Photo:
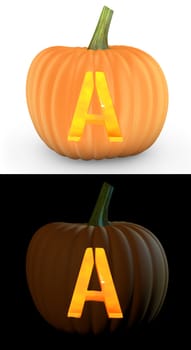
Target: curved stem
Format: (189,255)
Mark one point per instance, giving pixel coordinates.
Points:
(100,38)
(99,216)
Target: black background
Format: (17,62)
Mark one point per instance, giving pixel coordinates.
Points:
(159,202)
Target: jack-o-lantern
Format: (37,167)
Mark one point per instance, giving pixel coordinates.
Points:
(97,102)
(88,278)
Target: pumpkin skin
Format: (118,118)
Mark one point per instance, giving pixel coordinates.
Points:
(137,86)
(137,262)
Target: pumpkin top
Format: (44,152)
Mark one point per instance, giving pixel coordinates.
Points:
(100,37)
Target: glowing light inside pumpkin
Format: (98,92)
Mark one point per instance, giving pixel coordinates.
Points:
(107,294)
(81,115)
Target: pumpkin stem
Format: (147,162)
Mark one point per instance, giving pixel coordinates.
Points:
(99,216)
(99,39)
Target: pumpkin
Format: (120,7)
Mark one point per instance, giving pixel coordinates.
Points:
(130,263)
(97,102)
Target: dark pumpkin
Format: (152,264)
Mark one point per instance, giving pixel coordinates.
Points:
(136,258)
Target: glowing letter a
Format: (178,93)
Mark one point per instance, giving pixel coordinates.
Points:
(107,294)
(81,115)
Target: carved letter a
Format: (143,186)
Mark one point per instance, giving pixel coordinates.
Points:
(107,294)
(81,116)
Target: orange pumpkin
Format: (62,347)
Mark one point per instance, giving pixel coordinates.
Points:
(136,260)
(97,102)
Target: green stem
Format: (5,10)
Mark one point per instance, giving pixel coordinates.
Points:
(99,216)
(100,37)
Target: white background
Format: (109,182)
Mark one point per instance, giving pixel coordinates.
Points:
(160,27)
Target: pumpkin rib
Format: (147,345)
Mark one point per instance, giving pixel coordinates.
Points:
(107,55)
(162,76)
(46,268)
(166,274)
(163,96)
(41,91)
(37,270)
(29,268)
(129,144)
(30,78)
(57,308)
(57,260)
(59,105)
(125,51)
(154,252)
(118,149)
(127,117)
(142,91)
(46,102)
(139,251)
(166,271)
(150,242)
(32,69)
(122,260)
(161,249)
(156,124)
(41,76)
(46,66)
(31,251)
(122,68)
(149,120)
(48,276)
(33,81)
(135,86)
(60,259)
(150,279)
(116,235)
(50,236)
(165,104)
